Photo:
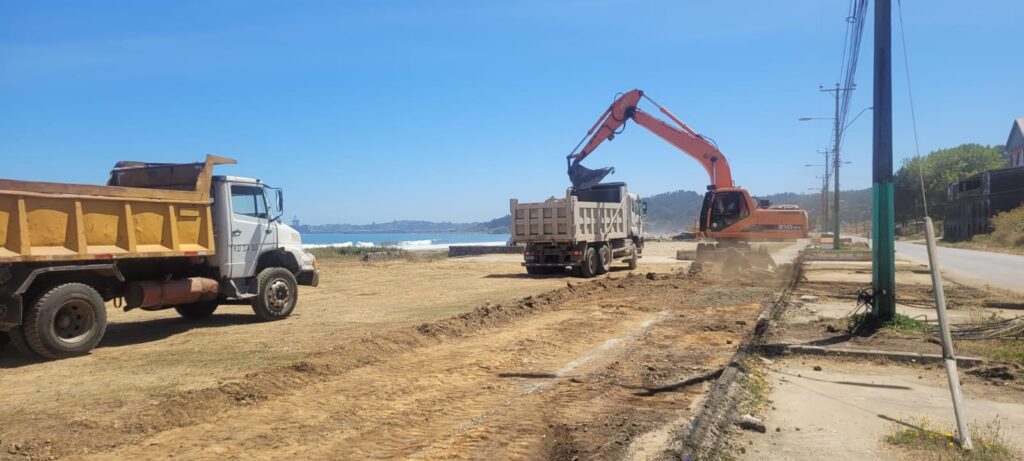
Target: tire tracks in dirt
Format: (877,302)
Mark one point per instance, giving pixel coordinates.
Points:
(556,375)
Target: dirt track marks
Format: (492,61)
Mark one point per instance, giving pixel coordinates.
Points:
(563,382)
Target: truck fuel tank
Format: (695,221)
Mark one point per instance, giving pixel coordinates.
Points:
(155,295)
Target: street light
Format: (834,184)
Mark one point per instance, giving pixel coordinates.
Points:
(837,138)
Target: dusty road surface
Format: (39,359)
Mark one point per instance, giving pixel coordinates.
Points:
(465,358)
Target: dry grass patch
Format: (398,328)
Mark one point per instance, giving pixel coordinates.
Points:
(927,440)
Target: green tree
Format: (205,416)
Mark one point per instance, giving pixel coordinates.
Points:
(939,169)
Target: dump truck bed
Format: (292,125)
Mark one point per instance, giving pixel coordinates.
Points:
(598,214)
(145,210)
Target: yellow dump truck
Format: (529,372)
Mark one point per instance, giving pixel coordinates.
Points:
(157,236)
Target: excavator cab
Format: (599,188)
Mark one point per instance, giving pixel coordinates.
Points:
(722,209)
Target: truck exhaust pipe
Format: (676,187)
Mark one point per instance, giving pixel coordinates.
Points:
(154,295)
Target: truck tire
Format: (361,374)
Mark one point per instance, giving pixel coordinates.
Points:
(68,320)
(4,339)
(633,257)
(276,293)
(589,265)
(197,311)
(604,259)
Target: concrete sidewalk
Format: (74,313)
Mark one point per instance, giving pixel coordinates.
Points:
(844,412)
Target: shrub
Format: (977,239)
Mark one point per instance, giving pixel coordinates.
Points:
(1008,228)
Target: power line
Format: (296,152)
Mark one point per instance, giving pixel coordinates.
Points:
(851,53)
(913,115)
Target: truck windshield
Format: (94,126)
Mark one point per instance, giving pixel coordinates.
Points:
(248,201)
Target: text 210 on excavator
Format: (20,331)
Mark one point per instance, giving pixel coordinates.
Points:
(729,214)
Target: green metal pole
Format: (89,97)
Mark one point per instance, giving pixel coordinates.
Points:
(883,251)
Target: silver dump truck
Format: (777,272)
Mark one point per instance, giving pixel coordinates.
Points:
(586,231)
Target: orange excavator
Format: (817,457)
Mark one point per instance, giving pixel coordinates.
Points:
(729,214)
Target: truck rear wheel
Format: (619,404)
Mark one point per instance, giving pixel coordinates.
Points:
(589,265)
(66,321)
(633,259)
(199,310)
(604,259)
(4,339)
(276,293)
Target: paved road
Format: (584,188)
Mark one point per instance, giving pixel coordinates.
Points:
(995,269)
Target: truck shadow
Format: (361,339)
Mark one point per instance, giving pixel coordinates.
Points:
(131,333)
(526,276)
(565,274)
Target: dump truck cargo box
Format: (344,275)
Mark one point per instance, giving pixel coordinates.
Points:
(145,210)
(591,215)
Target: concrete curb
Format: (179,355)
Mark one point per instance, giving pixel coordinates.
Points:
(455,251)
(784,348)
(707,432)
(838,256)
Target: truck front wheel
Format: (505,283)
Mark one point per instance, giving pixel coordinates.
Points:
(66,321)
(276,293)
(4,339)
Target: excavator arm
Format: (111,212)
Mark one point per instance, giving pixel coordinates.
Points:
(682,137)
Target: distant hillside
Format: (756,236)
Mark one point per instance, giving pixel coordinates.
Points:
(494,226)
(672,212)
(667,213)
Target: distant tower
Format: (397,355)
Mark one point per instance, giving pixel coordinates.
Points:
(295,222)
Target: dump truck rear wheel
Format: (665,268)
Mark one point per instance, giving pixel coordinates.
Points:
(604,259)
(197,310)
(589,265)
(66,321)
(276,293)
(633,259)
(4,339)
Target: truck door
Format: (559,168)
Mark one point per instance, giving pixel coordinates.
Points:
(251,231)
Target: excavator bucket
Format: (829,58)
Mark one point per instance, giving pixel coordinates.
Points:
(585,178)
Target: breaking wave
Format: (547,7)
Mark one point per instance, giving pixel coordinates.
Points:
(339,245)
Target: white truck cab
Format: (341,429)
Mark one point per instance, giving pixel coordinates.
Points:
(250,236)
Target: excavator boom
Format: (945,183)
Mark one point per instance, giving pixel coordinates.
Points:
(682,137)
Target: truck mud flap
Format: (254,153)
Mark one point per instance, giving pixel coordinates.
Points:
(308,278)
(10,311)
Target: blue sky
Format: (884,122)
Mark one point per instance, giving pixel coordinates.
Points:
(443,110)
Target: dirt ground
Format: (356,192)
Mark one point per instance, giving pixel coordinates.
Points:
(453,358)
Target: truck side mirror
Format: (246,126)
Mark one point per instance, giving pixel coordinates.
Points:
(280,201)
(643,207)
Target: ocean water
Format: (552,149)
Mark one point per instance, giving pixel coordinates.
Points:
(407,241)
